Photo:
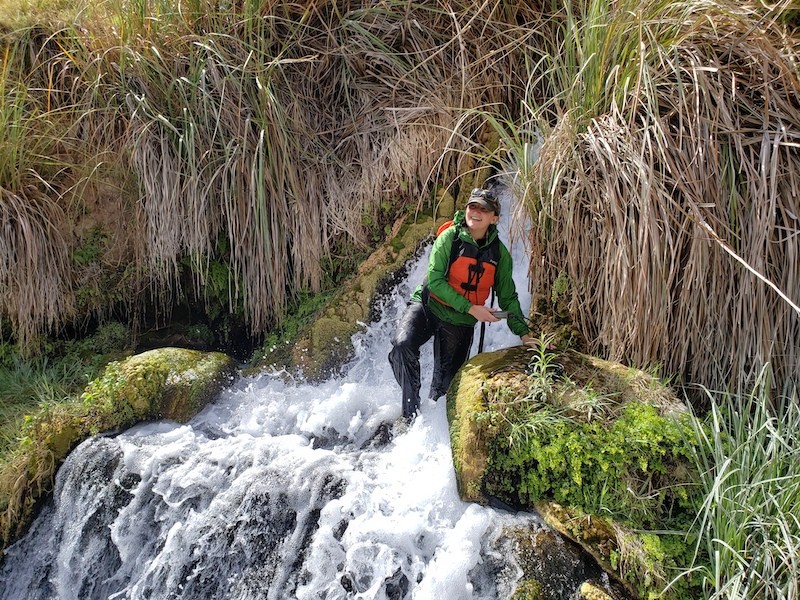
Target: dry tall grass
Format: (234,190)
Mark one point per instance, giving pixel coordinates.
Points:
(286,128)
(34,260)
(667,187)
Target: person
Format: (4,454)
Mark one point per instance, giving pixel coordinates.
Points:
(467,261)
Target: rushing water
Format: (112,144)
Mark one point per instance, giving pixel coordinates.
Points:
(277,490)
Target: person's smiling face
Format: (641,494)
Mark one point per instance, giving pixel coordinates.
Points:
(478,219)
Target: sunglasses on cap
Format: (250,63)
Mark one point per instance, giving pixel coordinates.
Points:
(485,198)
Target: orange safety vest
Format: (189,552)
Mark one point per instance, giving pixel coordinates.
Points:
(471,270)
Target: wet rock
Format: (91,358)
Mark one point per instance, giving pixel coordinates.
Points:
(593,591)
(397,585)
(535,430)
(557,566)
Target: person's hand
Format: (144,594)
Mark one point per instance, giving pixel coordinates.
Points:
(483,314)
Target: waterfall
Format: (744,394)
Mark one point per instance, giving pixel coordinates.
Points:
(278,489)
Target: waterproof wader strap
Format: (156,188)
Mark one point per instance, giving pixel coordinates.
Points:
(483,327)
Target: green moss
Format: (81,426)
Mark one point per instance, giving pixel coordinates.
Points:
(467,415)
(599,438)
(169,383)
(623,469)
(561,288)
(528,589)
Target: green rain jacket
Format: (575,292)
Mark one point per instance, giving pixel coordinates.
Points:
(458,311)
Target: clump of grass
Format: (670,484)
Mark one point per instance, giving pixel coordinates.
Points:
(654,124)
(747,528)
(26,386)
(212,110)
(57,375)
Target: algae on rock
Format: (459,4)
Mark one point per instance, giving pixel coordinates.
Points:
(538,429)
(167,383)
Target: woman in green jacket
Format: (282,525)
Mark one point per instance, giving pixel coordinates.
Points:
(467,261)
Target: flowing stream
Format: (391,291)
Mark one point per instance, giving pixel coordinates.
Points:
(276,490)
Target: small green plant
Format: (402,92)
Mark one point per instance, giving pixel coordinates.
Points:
(542,365)
(586,403)
(201,332)
(92,248)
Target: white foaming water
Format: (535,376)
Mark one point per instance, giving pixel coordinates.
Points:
(277,490)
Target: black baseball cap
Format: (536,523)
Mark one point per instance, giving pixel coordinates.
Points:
(485,198)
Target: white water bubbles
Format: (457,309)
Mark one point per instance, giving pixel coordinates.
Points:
(280,489)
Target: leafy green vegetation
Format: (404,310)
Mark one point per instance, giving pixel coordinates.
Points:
(632,462)
(58,374)
(608,443)
(280,338)
(603,111)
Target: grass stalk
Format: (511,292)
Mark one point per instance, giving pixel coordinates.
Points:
(748,458)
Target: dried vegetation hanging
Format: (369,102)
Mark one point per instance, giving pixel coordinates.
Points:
(288,130)
(672,201)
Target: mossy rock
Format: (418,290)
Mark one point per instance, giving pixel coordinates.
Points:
(592,591)
(445,204)
(596,535)
(530,426)
(326,344)
(168,383)
(528,589)
(466,402)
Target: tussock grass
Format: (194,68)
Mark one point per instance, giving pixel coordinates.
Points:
(27,386)
(288,129)
(666,184)
(33,262)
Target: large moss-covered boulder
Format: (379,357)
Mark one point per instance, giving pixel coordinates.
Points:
(168,383)
(606,448)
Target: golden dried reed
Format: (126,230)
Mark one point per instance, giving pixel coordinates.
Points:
(648,193)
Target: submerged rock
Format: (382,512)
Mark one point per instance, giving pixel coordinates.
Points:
(552,568)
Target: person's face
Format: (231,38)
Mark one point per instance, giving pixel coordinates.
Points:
(479,219)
